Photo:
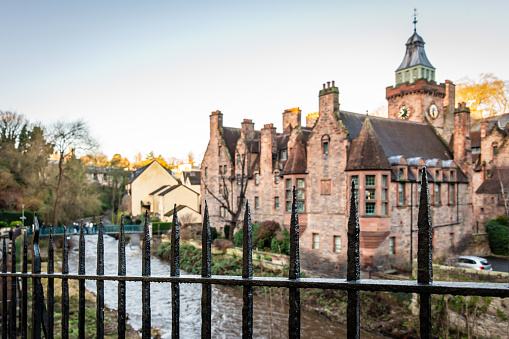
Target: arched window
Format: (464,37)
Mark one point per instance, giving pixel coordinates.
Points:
(325,144)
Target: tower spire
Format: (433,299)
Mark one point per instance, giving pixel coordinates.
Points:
(415,19)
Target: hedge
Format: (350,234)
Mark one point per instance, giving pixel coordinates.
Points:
(498,237)
(162,227)
(10,216)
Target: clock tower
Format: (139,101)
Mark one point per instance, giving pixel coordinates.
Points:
(416,96)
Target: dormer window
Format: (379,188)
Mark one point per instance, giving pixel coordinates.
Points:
(283,154)
(437,175)
(401,174)
(451,177)
(495,148)
(238,159)
(325,145)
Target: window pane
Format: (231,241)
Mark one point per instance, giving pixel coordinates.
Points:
(355,179)
(370,194)
(276,179)
(391,245)
(337,244)
(325,148)
(370,180)
(300,206)
(276,203)
(384,208)
(289,195)
(370,208)
(301,194)
(384,180)
(316,241)
(288,183)
(288,206)
(384,194)
(300,183)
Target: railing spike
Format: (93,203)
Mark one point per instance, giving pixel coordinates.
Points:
(145,285)
(206,264)
(81,283)
(51,285)
(294,293)
(353,267)
(13,315)
(247,273)
(65,289)
(425,256)
(175,272)
(121,320)
(24,287)
(5,310)
(100,283)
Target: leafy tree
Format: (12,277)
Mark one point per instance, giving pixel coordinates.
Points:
(148,159)
(67,137)
(486,97)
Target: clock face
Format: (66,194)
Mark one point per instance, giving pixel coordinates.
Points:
(404,112)
(433,111)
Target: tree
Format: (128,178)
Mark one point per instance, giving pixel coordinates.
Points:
(148,159)
(240,180)
(67,137)
(486,97)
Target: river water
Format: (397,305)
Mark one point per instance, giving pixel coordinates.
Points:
(270,318)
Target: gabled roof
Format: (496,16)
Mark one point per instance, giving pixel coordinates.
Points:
(159,189)
(493,185)
(179,208)
(398,137)
(168,190)
(297,160)
(415,54)
(139,171)
(366,153)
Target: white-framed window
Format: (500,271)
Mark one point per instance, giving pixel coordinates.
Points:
(257,178)
(316,241)
(392,245)
(337,244)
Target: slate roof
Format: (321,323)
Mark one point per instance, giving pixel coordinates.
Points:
(194,177)
(475,138)
(179,208)
(398,137)
(231,135)
(492,185)
(415,54)
(297,159)
(366,153)
(502,120)
(168,190)
(159,189)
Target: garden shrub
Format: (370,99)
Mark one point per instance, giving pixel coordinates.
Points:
(266,232)
(4,224)
(226,231)
(498,236)
(213,233)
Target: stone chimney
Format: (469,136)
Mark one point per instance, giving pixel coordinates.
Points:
(291,119)
(449,102)
(216,123)
(311,119)
(268,147)
(247,131)
(329,100)
(484,128)
(462,145)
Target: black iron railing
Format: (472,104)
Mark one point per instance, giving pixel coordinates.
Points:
(42,311)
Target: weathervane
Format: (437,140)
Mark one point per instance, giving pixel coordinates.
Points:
(415,19)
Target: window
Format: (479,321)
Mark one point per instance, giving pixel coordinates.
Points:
(257,203)
(288,183)
(420,175)
(222,212)
(451,194)
(325,144)
(482,210)
(437,194)
(488,173)
(495,147)
(283,154)
(401,194)
(370,180)
(238,179)
(384,208)
(392,248)
(384,194)
(301,194)
(219,151)
(276,177)
(206,171)
(288,206)
(225,169)
(451,239)
(384,180)
(437,175)
(220,170)
(401,174)
(325,187)
(244,159)
(220,189)
(316,241)
(337,244)
(451,177)
(288,195)
(370,194)
(238,159)
(370,208)
(276,203)
(257,178)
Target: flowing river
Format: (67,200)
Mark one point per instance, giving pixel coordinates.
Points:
(270,318)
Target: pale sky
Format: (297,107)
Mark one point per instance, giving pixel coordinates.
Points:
(146,75)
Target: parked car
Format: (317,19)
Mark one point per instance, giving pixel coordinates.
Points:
(477,263)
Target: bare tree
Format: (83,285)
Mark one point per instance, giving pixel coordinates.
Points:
(226,195)
(67,137)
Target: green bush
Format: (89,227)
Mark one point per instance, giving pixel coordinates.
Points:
(266,233)
(15,223)
(213,233)
(498,236)
(9,216)
(162,227)
(226,231)
(238,238)
(4,224)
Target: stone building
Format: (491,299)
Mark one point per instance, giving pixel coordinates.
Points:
(381,155)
